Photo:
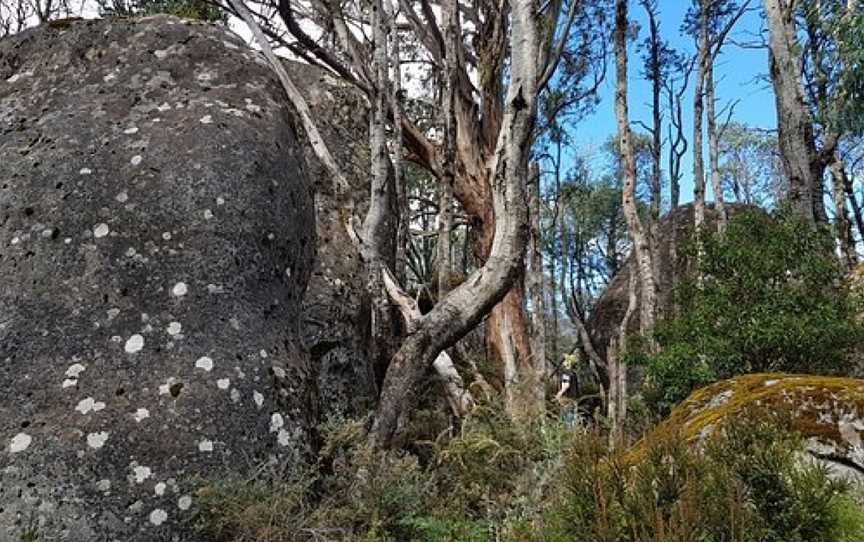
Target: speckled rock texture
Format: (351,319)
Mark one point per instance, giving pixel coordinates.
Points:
(827,411)
(335,309)
(156,237)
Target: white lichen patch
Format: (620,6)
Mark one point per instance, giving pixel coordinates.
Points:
(223,383)
(122,197)
(180,289)
(101,230)
(97,440)
(165,389)
(164,107)
(19,443)
(158,517)
(75,370)
(103,485)
(205,446)
(184,502)
(85,171)
(174,328)
(208,214)
(141,473)
(89,405)
(134,344)
(207,119)
(220,201)
(276,422)
(159,489)
(258,398)
(141,414)
(131,130)
(18,76)
(204,363)
(136,159)
(283,438)
(205,76)
(235,395)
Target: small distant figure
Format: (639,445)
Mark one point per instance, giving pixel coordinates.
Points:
(566,395)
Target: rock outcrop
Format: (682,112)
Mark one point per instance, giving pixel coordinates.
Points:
(335,309)
(607,314)
(156,238)
(827,411)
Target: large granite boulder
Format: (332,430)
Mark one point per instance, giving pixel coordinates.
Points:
(827,411)
(335,309)
(675,229)
(156,238)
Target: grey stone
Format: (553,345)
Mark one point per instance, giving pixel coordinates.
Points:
(156,238)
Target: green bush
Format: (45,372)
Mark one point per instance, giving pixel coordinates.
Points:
(771,299)
(748,484)
(494,481)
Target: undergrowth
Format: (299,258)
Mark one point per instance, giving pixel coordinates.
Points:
(495,481)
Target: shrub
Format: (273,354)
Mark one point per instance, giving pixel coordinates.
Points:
(748,484)
(771,299)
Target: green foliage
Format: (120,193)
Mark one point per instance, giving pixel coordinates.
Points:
(747,485)
(771,299)
(494,481)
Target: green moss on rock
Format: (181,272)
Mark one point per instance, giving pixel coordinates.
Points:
(827,411)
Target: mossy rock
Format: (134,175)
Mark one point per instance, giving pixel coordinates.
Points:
(827,411)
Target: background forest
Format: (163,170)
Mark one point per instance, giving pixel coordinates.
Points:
(572,214)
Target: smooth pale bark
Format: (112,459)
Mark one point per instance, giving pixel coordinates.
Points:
(465,306)
(842,226)
(404,211)
(714,149)
(449,15)
(459,398)
(698,108)
(638,237)
(655,75)
(536,287)
(379,228)
(795,127)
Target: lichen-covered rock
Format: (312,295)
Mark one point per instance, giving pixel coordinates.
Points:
(827,411)
(156,237)
(335,309)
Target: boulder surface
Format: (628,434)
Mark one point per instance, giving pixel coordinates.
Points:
(156,237)
(827,411)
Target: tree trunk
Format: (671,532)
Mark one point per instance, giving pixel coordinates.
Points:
(698,160)
(853,201)
(842,226)
(641,247)
(536,287)
(714,149)
(378,248)
(465,306)
(795,127)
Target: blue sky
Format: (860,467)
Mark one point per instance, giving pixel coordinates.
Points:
(738,75)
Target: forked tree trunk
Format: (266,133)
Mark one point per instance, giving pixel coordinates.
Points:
(463,308)
(638,237)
